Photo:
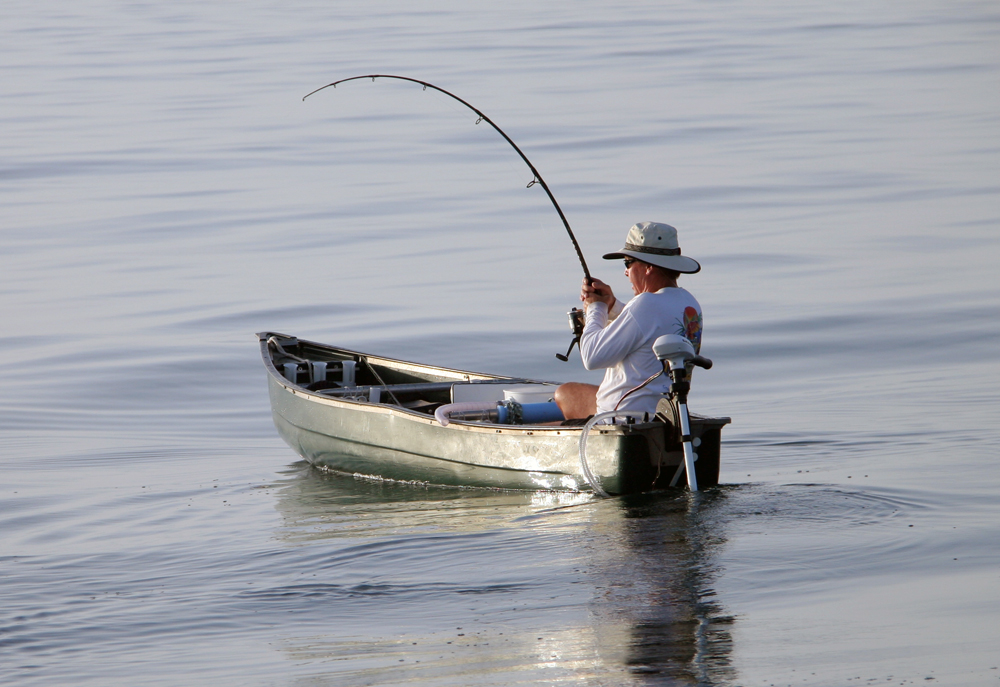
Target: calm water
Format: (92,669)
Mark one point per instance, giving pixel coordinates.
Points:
(165,193)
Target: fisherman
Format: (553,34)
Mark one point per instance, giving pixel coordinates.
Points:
(619,336)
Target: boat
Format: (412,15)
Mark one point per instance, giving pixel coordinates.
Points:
(386,419)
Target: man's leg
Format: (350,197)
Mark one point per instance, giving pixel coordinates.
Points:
(577,400)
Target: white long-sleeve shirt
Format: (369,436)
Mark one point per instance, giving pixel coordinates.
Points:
(622,342)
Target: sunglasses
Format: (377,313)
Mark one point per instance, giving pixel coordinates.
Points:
(630,261)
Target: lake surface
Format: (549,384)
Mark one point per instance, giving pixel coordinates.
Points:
(165,193)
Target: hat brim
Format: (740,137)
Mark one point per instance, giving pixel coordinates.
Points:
(677,263)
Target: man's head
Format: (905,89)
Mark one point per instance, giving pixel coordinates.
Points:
(655,244)
(645,277)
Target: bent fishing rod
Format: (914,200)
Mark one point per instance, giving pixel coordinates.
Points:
(482,118)
(575,315)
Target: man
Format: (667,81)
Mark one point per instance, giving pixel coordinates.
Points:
(620,336)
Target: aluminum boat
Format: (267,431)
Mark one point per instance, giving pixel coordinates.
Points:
(382,418)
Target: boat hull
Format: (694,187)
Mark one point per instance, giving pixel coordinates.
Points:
(386,441)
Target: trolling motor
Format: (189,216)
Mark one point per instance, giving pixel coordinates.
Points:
(577,318)
(676,352)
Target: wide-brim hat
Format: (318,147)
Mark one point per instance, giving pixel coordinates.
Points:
(656,244)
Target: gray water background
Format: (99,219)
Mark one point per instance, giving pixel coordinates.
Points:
(165,193)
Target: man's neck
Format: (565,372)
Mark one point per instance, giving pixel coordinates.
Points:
(665,283)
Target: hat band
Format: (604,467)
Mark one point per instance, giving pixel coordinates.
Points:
(655,251)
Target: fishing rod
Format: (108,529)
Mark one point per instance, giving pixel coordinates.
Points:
(483,118)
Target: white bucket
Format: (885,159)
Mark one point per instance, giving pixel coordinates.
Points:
(530,393)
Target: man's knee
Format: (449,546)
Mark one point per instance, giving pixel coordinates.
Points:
(562,393)
(576,400)
(567,393)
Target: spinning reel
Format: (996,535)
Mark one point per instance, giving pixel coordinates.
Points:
(577,318)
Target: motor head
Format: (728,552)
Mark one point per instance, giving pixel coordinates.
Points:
(676,351)
(673,350)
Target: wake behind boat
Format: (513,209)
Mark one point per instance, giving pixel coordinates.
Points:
(377,417)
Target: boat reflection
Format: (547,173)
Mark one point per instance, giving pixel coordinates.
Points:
(656,582)
(317,504)
(529,588)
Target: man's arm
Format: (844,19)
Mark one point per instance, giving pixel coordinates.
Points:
(604,345)
(615,310)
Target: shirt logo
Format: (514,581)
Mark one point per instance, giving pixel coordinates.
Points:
(690,328)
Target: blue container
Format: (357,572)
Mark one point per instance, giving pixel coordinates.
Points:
(514,413)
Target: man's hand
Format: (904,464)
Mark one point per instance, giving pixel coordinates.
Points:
(596,291)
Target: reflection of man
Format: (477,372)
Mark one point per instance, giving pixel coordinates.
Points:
(620,337)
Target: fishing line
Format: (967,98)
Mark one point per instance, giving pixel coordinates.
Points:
(483,118)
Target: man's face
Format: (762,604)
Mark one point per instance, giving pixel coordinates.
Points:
(636,271)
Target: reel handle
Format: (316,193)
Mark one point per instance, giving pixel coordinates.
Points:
(569,350)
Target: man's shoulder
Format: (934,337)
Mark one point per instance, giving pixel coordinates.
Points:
(674,297)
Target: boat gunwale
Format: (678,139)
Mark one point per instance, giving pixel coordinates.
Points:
(460,425)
